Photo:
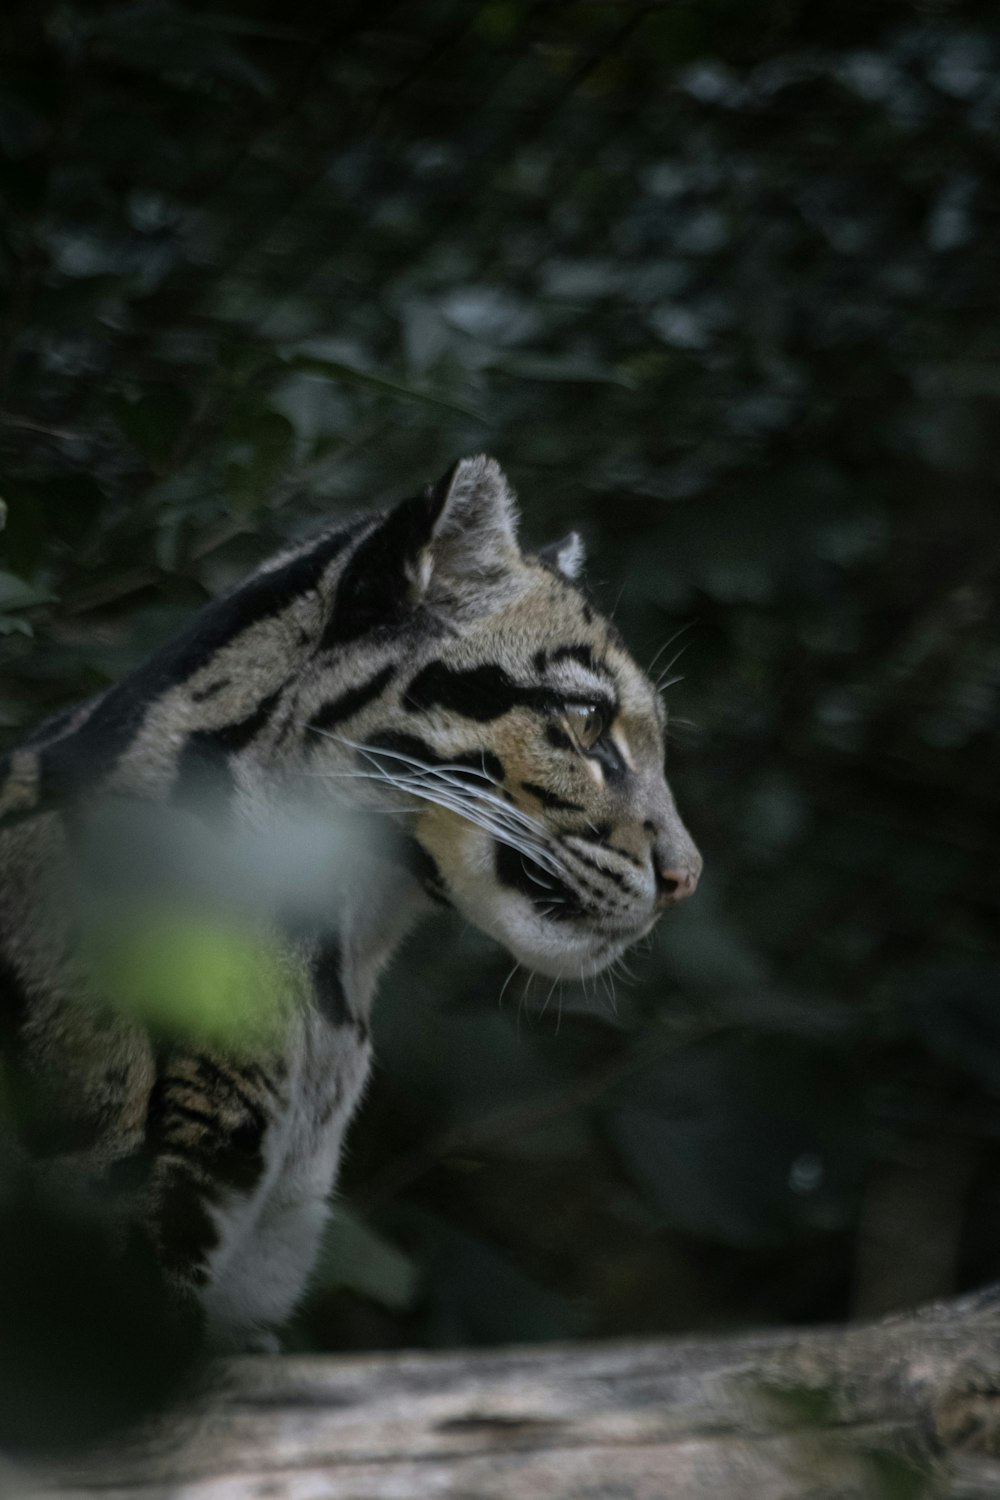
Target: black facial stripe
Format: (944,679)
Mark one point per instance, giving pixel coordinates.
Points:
(558,901)
(549,799)
(609,758)
(487,692)
(600,833)
(481,761)
(558,738)
(583,654)
(351,701)
(482,693)
(599,893)
(593,864)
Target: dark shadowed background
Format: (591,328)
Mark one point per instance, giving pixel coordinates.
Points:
(719,283)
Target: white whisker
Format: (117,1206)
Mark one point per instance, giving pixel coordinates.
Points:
(438,784)
(503,989)
(661,682)
(453,775)
(466,808)
(668,642)
(548,997)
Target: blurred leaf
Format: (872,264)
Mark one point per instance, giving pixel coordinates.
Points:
(334,369)
(747,1142)
(154,420)
(11,625)
(471,1068)
(356,1257)
(722,292)
(16,593)
(564,369)
(476,1294)
(191,977)
(79,1322)
(705,950)
(955,1010)
(262,443)
(167,41)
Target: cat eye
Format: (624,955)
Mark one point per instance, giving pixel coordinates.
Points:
(587,723)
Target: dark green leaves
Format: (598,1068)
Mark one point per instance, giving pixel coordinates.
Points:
(716,283)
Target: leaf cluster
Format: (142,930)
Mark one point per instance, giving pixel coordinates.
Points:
(716,283)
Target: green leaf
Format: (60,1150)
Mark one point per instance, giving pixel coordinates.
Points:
(154,420)
(744,1141)
(337,369)
(191,977)
(475,1293)
(564,369)
(953,1010)
(263,443)
(356,1257)
(11,625)
(16,593)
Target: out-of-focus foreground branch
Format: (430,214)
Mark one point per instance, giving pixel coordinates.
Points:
(904,1408)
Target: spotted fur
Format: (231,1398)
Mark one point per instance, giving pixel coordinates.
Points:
(416,678)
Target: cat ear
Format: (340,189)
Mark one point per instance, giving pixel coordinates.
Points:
(471,548)
(454,546)
(566,557)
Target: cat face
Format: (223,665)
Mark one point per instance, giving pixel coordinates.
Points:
(515,733)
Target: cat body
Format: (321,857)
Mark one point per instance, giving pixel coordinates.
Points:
(407,712)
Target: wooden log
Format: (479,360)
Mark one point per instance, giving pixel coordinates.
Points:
(891,1411)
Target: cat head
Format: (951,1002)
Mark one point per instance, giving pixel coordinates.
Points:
(498,714)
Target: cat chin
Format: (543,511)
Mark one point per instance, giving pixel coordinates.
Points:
(556,950)
(579,963)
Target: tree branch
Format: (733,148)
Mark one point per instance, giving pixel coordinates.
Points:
(906,1407)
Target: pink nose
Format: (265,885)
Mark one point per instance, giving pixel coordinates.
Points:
(675,884)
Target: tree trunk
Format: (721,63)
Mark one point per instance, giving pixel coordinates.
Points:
(893,1411)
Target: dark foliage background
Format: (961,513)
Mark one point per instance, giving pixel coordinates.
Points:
(717,281)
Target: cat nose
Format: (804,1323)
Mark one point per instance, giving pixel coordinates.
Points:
(674,883)
(676,862)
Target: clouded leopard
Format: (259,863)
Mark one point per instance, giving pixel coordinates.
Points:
(451,700)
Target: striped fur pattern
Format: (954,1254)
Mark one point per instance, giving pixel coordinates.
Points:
(495,749)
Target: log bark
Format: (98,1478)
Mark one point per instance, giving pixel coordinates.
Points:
(891,1411)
